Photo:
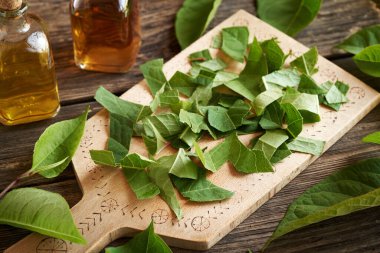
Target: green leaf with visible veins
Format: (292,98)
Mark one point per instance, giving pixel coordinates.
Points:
(281,153)
(200,190)
(183,83)
(121,131)
(306,145)
(193,120)
(57,146)
(368,60)
(152,138)
(274,55)
(116,105)
(372,138)
(366,37)
(103,157)
(264,99)
(167,124)
(153,74)
(281,79)
(146,241)
(136,162)
(352,189)
(40,211)
(272,117)
(289,16)
(293,119)
(308,85)
(193,19)
(271,141)
(307,62)
(235,42)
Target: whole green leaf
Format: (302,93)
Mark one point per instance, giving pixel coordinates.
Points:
(289,16)
(308,85)
(153,74)
(193,19)
(352,189)
(274,55)
(116,105)
(281,79)
(200,190)
(372,138)
(306,145)
(264,99)
(40,211)
(293,119)
(183,83)
(272,117)
(364,38)
(235,42)
(146,241)
(368,60)
(195,121)
(159,173)
(307,62)
(57,143)
(121,131)
(270,142)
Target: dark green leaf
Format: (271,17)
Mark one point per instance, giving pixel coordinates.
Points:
(293,119)
(193,19)
(200,190)
(364,38)
(368,60)
(272,117)
(274,55)
(121,131)
(281,153)
(40,211)
(264,99)
(308,85)
(270,142)
(349,190)
(146,241)
(57,145)
(289,16)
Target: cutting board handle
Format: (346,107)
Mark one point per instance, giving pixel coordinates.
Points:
(98,228)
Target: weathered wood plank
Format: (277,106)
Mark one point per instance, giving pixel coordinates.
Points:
(336,20)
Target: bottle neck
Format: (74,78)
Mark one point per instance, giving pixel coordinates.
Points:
(14,13)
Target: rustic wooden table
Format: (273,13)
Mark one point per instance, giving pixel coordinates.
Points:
(358,232)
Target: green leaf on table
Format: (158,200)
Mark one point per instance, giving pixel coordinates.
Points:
(153,74)
(229,119)
(57,145)
(193,19)
(152,137)
(146,241)
(264,99)
(289,16)
(238,86)
(121,131)
(306,145)
(307,62)
(372,138)
(141,184)
(281,79)
(116,105)
(366,37)
(189,137)
(159,174)
(293,119)
(274,54)
(202,95)
(215,158)
(306,104)
(40,211)
(136,162)
(183,83)
(368,60)
(281,153)
(352,189)
(167,124)
(308,85)
(272,117)
(195,121)
(103,157)
(336,94)
(168,99)
(270,142)
(235,42)
(204,77)
(200,56)
(213,65)
(223,77)
(200,190)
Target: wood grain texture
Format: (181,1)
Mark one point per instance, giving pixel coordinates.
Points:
(336,20)
(358,232)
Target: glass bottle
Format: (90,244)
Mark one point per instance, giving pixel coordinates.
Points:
(28,85)
(106,34)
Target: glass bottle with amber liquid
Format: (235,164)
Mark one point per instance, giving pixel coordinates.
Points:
(28,85)
(106,34)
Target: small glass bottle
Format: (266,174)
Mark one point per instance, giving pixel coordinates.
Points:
(28,85)
(106,34)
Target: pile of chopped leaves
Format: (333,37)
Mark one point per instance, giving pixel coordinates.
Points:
(268,97)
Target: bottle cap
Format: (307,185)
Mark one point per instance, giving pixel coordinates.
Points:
(10,5)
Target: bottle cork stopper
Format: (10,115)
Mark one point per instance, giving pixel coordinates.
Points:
(10,5)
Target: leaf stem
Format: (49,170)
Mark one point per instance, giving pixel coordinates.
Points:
(15,182)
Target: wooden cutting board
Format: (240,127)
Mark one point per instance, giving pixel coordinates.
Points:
(109,209)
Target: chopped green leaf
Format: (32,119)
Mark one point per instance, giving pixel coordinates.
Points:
(264,99)
(308,85)
(293,119)
(306,145)
(307,62)
(274,55)
(235,42)
(153,74)
(272,117)
(281,79)
(270,142)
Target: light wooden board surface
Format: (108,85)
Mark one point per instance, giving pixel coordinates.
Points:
(109,209)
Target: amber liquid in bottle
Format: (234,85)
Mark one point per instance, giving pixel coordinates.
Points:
(28,86)
(106,34)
